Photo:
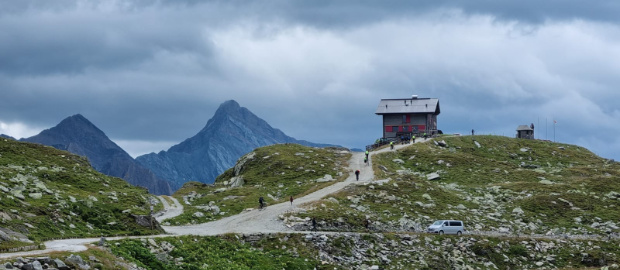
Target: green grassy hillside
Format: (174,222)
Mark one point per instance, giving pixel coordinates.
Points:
(506,185)
(274,172)
(48,193)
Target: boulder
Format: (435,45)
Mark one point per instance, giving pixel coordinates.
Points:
(236,181)
(518,211)
(17,194)
(398,160)
(75,259)
(60,265)
(36,195)
(433,176)
(325,178)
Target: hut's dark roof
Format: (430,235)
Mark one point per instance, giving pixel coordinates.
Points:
(408,105)
(523,127)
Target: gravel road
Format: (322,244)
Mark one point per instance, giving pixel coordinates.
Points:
(254,221)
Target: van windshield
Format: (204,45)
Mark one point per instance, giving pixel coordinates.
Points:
(438,222)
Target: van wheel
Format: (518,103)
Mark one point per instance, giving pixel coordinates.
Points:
(440,232)
(459,233)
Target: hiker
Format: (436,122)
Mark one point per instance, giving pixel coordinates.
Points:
(291,200)
(366,223)
(413,138)
(261,202)
(313,224)
(392,145)
(357,175)
(366,161)
(367,153)
(425,137)
(472,132)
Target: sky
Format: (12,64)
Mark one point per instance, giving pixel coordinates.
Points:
(152,73)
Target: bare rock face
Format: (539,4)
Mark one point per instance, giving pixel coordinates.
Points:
(236,181)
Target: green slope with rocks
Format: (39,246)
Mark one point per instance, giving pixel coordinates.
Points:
(51,194)
(273,172)
(494,184)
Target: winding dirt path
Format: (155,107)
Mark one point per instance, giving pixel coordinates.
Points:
(255,221)
(170,211)
(267,220)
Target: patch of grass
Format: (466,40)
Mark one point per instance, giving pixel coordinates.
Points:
(226,252)
(48,193)
(281,171)
(558,187)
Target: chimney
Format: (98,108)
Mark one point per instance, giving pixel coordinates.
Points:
(414,96)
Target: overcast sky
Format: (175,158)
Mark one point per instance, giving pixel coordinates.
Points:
(152,73)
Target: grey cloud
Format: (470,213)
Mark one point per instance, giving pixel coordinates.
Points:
(351,13)
(76,39)
(155,71)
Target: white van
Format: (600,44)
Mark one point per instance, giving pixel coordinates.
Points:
(447,227)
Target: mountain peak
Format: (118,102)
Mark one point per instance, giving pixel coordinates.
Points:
(78,122)
(228,107)
(78,135)
(231,133)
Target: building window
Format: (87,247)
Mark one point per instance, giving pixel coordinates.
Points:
(406,118)
(395,128)
(406,128)
(388,129)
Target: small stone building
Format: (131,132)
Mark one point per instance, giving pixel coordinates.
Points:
(406,116)
(525,132)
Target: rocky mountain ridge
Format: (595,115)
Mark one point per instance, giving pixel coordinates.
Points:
(79,136)
(231,133)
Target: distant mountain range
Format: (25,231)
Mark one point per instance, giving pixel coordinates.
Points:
(232,132)
(6,136)
(79,136)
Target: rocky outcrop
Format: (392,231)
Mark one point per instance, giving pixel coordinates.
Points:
(147,221)
(62,263)
(422,251)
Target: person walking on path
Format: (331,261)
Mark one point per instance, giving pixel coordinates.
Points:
(413,139)
(472,132)
(366,161)
(261,202)
(367,153)
(313,224)
(392,145)
(357,175)
(291,200)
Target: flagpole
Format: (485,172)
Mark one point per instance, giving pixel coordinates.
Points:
(554,122)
